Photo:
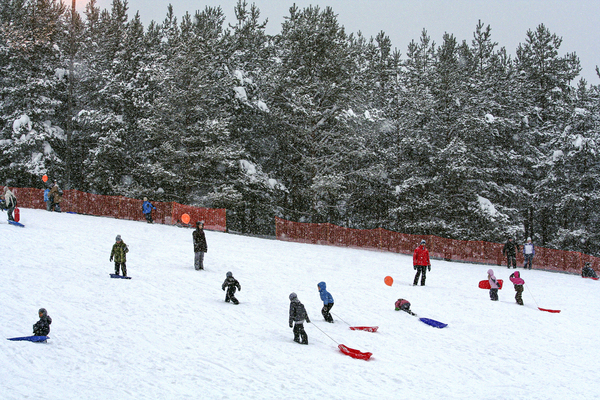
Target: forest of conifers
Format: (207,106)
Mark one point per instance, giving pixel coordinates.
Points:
(458,138)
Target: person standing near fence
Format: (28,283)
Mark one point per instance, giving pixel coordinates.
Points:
(200,246)
(510,250)
(528,253)
(421,263)
(10,202)
(147,208)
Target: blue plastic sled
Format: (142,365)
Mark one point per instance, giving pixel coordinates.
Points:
(119,276)
(15,223)
(31,338)
(433,322)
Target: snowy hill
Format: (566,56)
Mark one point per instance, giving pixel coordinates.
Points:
(168,334)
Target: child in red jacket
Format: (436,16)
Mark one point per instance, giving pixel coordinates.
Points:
(421,263)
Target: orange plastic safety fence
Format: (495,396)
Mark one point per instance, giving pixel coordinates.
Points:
(123,208)
(441,248)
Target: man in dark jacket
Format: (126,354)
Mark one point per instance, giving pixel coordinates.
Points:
(42,327)
(10,202)
(510,251)
(200,246)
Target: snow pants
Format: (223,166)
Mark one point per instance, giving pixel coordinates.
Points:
(420,270)
(494,294)
(230,295)
(325,312)
(199,260)
(519,294)
(300,335)
(511,260)
(122,266)
(149,217)
(528,261)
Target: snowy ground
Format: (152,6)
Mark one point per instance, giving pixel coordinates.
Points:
(168,334)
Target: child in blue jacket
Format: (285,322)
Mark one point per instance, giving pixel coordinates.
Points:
(147,208)
(327,301)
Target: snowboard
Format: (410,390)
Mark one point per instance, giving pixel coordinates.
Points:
(15,223)
(485,284)
(119,276)
(31,338)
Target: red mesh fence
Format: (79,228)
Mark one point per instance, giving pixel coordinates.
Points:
(123,208)
(441,248)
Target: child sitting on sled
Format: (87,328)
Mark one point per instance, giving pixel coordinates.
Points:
(588,272)
(42,327)
(231,283)
(403,305)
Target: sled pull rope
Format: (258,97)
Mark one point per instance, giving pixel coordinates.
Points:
(538,306)
(338,317)
(325,334)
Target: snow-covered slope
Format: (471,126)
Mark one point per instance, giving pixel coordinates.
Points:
(168,334)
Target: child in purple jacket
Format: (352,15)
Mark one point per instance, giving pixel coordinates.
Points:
(494,286)
(518,282)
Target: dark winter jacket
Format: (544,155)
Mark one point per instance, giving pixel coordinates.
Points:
(147,207)
(42,327)
(325,295)
(118,252)
(199,241)
(588,272)
(297,312)
(231,282)
(510,249)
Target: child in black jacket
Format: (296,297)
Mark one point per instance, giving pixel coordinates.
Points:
(297,316)
(231,283)
(42,327)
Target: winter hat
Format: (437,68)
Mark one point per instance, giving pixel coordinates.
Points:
(145,199)
(490,272)
(118,238)
(43,312)
(423,241)
(529,239)
(229,274)
(199,223)
(293,296)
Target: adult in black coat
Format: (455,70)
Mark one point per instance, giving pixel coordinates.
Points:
(200,246)
(510,251)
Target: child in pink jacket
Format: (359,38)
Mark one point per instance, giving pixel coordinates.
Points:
(494,286)
(518,282)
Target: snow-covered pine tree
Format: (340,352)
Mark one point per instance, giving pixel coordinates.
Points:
(32,89)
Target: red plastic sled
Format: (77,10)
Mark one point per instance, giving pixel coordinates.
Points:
(365,328)
(17,214)
(547,310)
(485,284)
(590,277)
(354,353)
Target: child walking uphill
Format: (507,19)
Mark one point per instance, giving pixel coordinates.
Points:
(297,317)
(327,301)
(518,282)
(119,251)
(494,285)
(42,327)
(231,283)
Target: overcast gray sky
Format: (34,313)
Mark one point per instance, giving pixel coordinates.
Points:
(576,21)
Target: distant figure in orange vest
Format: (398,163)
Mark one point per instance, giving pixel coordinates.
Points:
(421,263)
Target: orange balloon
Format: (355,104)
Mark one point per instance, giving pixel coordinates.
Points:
(45,178)
(388,280)
(185,218)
